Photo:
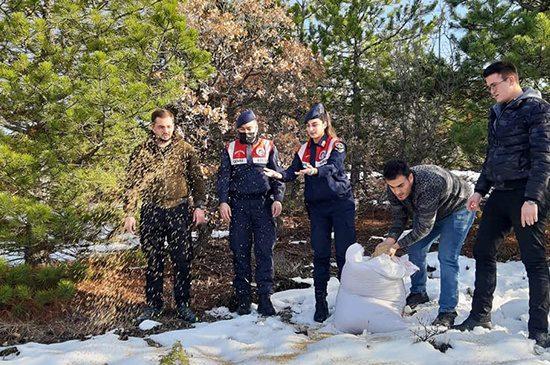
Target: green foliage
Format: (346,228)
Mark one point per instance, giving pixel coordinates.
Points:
(176,356)
(361,43)
(74,95)
(6,294)
(469,131)
(45,297)
(48,276)
(22,292)
(3,269)
(24,222)
(19,309)
(491,31)
(65,289)
(20,274)
(23,288)
(413,110)
(75,271)
(505,30)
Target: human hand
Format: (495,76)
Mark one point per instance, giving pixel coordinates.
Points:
(225,211)
(276,209)
(198,217)
(308,170)
(473,202)
(272,173)
(130,225)
(529,213)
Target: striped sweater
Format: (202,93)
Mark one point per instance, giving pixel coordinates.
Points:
(436,193)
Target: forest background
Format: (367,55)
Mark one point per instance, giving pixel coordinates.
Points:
(79,79)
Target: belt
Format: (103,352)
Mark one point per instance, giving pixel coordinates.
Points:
(249,196)
(511,184)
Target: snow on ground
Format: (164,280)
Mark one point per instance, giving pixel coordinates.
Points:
(148,324)
(253,340)
(219,234)
(123,242)
(469,176)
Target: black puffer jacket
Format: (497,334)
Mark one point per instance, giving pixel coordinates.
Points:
(518,151)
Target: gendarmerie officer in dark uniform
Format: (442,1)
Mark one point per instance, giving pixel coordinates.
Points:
(250,201)
(329,199)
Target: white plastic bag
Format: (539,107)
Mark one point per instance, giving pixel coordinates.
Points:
(372,293)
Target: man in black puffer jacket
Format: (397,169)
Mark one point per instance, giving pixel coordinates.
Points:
(517,167)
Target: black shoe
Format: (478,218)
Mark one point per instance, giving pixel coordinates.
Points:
(265,307)
(415,299)
(244,305)
(445,319)
(321,309)
(542,339)
(470,323)
(186,314)
(149,313)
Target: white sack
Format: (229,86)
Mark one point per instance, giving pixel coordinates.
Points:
(372,292)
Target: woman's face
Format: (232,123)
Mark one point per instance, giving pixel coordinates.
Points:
(316,128)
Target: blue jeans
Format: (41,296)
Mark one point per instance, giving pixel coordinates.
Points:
(452,231)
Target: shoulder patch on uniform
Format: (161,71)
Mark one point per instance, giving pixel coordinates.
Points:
(339,146)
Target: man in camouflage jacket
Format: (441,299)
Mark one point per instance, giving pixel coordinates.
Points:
(164,173)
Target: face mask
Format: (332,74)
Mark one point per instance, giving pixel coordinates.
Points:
(248,138)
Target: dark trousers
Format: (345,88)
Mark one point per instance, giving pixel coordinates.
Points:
(502,212)
(160,226)
(252,221)
(337,215)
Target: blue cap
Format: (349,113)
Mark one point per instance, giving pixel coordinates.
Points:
(245,117)
(315,112)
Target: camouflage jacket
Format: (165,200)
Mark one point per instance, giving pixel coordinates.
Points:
(163,176)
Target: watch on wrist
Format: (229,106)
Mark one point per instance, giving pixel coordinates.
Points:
(531,202)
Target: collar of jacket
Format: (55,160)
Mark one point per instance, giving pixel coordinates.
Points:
(152,145)
(322,141)
(527,93)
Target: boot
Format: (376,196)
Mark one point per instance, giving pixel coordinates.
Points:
(244,305)
(149,313)
(470,323)
(265,307)
(186,314)
(321,307)
(415,299)
(445,319)
(542,339)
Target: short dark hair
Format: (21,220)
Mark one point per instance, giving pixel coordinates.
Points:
(394,168)
(501,67)
(161,113)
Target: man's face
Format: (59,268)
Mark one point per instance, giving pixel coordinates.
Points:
(164,128)
(401,186)
(502,88)
(250,127)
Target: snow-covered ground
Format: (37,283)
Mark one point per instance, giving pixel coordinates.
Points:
(253,340)
(123,242)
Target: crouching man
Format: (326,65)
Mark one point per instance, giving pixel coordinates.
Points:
(435,199)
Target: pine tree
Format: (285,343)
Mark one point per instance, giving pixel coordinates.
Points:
(77,80)
(356,40)
(493,30)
